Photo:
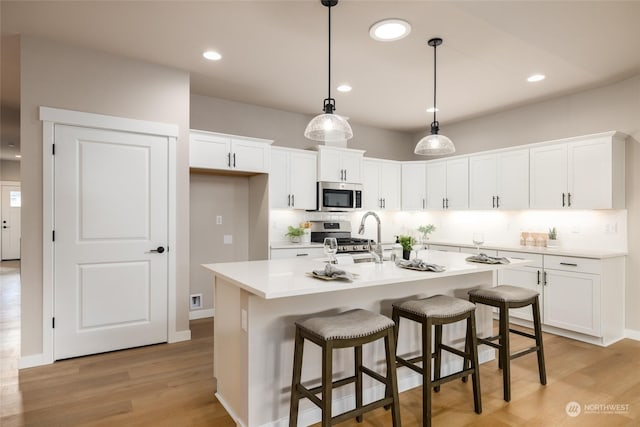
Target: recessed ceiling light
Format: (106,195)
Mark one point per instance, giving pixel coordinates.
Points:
(11,145)
(389,30)
(212,55)
(432,110)
(344,88)
(18,156)
(536,78)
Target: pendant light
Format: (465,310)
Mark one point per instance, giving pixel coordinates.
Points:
(434,144)
(328,126)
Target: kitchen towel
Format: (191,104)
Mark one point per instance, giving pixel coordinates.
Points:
(418,264)
(332,272)
(486,259)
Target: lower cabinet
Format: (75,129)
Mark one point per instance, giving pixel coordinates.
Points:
(297,253)
(530,277)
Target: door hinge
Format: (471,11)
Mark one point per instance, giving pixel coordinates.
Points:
(53,235)
(53,149)
(53,322)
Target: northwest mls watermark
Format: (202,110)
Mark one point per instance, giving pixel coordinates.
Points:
(573,409)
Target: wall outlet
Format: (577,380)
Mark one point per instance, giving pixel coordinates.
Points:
(195,301)
(219,219)
(228,239)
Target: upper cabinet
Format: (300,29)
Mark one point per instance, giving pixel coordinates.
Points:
(499,181)
(209,150)
(339,164)
(414,186)
(584,173)
(381,181)
(292,179)
(448,184)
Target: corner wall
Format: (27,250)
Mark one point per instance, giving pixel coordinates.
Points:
(62,76)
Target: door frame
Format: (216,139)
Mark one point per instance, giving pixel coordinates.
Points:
(52,116)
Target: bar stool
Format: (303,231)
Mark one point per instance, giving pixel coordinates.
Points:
(505,297)
(353,328)
(437,311)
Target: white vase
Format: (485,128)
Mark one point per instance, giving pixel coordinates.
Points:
(553,243)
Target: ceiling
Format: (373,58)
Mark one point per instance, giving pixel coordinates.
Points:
(275,52)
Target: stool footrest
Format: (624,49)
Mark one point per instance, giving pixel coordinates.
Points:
(451,377)
(410,363)
(455,351)
(373,374)
(359,411)
(309,394)
(522,333)
(487,341)
(523,352)
(335,384)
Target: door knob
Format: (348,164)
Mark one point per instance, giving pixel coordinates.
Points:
(159,250)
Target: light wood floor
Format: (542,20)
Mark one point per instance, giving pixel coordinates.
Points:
(171,385)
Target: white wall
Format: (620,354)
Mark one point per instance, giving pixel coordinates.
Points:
(62,76)
(9,170)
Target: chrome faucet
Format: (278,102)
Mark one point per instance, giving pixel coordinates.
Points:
(377,252)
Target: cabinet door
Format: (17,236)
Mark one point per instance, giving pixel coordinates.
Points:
(523,277)
(590,174)
(390,185)
(482,182)
(352,164)
(209,151)
(457,184)
(249,156)
(302,180)
(279,193)
(513,180)
(436,185)
(548,177)
(414,182)
(309,253)
(371,185)
(330,166)
(572,301)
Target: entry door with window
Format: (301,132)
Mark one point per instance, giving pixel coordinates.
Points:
(11,203)
(111,228)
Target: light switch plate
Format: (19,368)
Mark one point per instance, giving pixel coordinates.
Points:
(219,219)
(244,319)
(228,239)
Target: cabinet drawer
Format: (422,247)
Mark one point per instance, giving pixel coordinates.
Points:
(536,258)
(581,265)
(297,253)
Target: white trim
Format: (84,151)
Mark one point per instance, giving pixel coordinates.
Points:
(50,117)
(102,121)
(230,411)
(202,314)
(227,135)
(632,334)
(11,183)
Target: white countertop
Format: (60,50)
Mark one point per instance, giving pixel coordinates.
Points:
(289,245)
(282,278)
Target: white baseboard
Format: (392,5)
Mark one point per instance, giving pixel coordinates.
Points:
(181,336)
(201,314)
(230,411)
(632,334)
(33,360)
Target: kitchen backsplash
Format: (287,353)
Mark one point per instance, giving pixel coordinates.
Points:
(580,229)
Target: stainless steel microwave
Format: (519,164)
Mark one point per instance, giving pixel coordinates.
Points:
(339,196)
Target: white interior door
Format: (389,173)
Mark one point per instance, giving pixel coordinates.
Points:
(110,211)
(11,203)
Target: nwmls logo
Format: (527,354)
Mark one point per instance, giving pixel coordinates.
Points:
(573,409)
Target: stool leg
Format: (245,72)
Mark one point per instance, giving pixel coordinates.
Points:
(500,320)
(327,379)
(426,373)
(467,351)
(297,373)
(358,372)
(392,379)
(395,316)
(473,352)
(438,355)
(505,355)
(538,333)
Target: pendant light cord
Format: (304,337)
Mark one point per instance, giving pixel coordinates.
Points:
(435,109)
(329,86)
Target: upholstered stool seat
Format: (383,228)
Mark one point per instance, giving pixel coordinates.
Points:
(506,297)
(353,328)
(437,311)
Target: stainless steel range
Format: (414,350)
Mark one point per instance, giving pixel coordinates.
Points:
(341,230)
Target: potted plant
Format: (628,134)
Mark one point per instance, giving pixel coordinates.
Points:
(295,234)
(407,243)
(552,242)
(425,230)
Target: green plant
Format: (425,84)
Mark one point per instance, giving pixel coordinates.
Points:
(407,242)
(425,230)
(295,231)
(553,234)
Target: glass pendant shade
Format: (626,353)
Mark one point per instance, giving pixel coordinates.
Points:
(434,145)
(328,127)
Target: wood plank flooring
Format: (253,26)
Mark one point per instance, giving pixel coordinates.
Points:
(171,385)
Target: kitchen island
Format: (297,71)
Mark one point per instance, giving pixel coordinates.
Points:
(257,303)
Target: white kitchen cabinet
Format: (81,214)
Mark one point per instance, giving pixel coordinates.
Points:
(209,150)
(414,186)
(584,173)
(499,181)
(337,164)
(382,183)
(292,179)
(311,253)
(530,277)
(448,184)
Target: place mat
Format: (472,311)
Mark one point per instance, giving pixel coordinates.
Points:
(327,278)
(330,272)
(486,259)
(420,265)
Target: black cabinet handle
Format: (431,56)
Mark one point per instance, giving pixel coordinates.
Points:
(234,160)
(563,200)
(293,200)
(568,199)
(570,264)
(497,201)
(423,204)
(443,203)
(545,279)
(447,203)
(384,203)
(229,159)
(302,254)
(538,277)
(289,200)
(493,204)
(345,174)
